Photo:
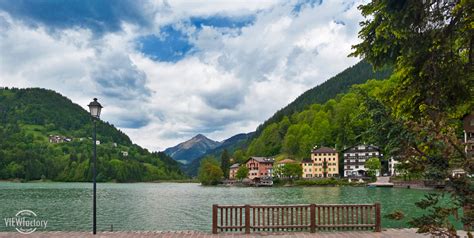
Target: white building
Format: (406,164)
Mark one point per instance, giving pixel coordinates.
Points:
(355,158)
(392,166)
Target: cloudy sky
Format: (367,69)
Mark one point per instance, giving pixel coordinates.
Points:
(167,70)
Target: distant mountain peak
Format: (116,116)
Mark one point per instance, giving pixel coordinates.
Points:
(200,136)
(191,149)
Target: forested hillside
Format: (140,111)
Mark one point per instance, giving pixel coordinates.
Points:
(341,83)
(339,122)
(29,116)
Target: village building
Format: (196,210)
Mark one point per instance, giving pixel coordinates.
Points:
(392,163)
(355,158)
(58,139)
(124,153)
(233,170)
(307,165)
(260,167)
(324,163)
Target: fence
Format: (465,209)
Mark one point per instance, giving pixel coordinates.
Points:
(307,217)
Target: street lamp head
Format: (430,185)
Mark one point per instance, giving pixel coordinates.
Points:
(94,108)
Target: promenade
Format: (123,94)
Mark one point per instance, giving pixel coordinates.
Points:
(386,233)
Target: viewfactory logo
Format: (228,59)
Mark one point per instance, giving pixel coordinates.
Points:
(25,222)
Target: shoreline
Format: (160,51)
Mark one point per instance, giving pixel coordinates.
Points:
(361,185)
(114,182)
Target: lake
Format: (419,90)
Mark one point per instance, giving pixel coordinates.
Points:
(175,206)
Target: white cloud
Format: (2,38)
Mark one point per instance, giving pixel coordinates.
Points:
(234,81)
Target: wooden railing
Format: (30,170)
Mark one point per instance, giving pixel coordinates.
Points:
(307,217)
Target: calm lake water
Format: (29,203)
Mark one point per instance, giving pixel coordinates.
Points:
(174,206)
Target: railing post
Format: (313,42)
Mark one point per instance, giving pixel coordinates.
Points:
(214,219)
(247,219)
(378,222)
(312,213)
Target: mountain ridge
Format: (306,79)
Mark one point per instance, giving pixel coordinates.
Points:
(191,149)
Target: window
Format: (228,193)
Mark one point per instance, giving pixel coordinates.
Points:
(357,166)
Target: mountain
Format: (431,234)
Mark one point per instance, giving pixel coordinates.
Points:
(230,144)
(44,135)
(191,149)
(341,83)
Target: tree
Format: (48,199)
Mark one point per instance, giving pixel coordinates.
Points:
(373,165)
(210,172)
(242,172)
(429,43)
(225,163)
(292,171)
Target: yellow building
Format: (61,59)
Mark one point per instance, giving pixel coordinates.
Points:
(324,163)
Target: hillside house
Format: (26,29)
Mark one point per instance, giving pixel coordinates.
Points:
(233,170)
(55,139)
(355,158)
(324,163)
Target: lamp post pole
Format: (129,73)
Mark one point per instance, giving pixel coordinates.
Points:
(94,174)
(95,109)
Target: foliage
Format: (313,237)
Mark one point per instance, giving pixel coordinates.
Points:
(341,83)
(290,171)
(225,163)
(242,172)
(210,173)
(436,221)
(396,215)
(29,116)
(373,165)
(430,45)
(339,122)
(323,182)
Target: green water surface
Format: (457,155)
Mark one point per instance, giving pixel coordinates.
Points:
(175,206)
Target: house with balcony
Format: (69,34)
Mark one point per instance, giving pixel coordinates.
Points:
(260,170)
(355,158)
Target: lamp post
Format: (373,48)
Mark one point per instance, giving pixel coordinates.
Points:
(94,108)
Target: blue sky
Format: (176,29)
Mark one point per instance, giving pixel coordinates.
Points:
(167,70)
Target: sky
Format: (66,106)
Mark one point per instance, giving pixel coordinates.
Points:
(166,70)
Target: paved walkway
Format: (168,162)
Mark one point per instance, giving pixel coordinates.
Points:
(388,233)
(382,182)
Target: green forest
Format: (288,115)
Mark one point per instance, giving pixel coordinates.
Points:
(29,116)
